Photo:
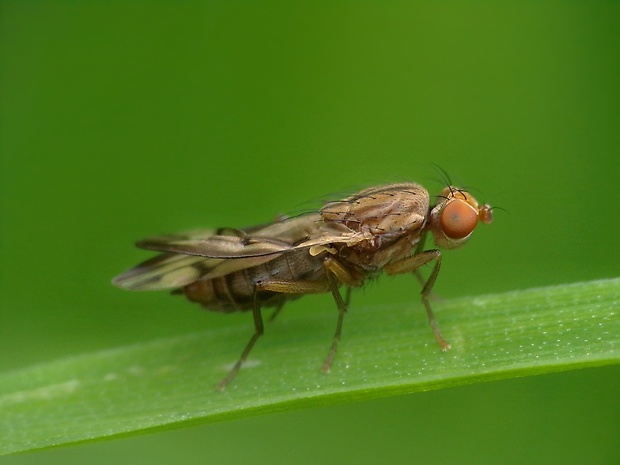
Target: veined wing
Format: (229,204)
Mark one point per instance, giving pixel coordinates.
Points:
(208,254)
(219,246)
(281,237)
(211,253)
(227,243)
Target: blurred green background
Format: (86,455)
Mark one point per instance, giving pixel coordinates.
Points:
(119,120)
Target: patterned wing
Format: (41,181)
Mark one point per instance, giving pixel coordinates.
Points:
(172,271)
(211,253)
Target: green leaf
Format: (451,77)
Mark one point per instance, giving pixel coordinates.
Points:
(385,351)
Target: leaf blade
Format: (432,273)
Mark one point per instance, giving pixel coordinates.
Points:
(385,351)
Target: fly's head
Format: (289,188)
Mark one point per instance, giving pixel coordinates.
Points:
(455,216)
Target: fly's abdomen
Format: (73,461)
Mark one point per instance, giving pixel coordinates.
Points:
(235,291)
(226,294)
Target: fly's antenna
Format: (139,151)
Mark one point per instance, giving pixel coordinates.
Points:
(443,174)
(495,207)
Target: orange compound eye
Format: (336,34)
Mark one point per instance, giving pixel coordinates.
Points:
(458,219)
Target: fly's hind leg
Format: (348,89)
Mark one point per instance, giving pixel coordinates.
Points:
(411,264)
(258,332)
(284,287)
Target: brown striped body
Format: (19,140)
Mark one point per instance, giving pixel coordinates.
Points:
(235,291)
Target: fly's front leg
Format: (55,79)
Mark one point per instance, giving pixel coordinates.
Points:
(411,264)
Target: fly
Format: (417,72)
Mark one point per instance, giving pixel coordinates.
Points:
(345,243)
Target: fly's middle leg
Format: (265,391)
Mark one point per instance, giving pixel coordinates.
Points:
(412,264)
(276,312)
(336,273)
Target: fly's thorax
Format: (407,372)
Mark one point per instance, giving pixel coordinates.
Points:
(390,210)
(455,216)
(388,221)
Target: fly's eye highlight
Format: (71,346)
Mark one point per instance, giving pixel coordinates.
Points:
(458,219)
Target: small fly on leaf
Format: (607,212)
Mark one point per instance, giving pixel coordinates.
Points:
(345,243)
